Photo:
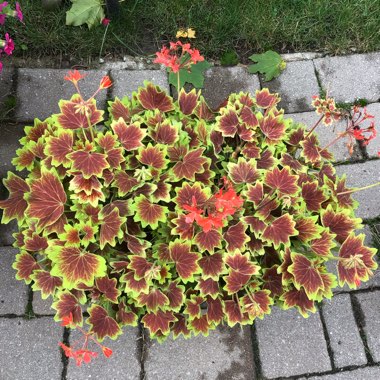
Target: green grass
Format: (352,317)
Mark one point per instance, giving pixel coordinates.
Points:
(243,26)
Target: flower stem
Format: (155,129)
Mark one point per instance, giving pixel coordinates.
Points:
(101,47)
(178,83)
(333,142)
(315,126)
(359,189)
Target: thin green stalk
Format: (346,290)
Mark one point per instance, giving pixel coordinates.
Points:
(359,189)
(104,38)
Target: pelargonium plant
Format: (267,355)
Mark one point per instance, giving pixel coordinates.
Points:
(7,44)
(178,216)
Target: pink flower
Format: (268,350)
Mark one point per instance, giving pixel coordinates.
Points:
(106,21)
(19,14)
(2,16)
(9,45)
(1,66)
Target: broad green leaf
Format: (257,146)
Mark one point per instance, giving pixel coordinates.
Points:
(193,76)
(88,12)
(269,63)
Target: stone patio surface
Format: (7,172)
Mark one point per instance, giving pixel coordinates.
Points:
(339,342)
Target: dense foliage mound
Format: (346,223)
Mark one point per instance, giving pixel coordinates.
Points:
(178,215)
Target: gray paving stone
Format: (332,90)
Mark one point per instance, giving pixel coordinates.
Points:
(291,345)
(39,91)
(224,355)
(220,82)
(123,364)
(367,373)
(10,134)
(326,135)
(351,77)
(374,146)
(360,175)
(42,307)
(345,340)
(128,81)
(296,85)
(13,293)
(29,349)
(6,83)
(370,305)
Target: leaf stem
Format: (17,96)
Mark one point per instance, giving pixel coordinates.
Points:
(359,189)
(104,38)
(333,142)
(178,83)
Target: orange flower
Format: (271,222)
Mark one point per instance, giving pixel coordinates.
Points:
(107,351)
(105,82)
(74,76)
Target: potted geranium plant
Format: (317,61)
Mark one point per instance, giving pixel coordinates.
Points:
(180,216)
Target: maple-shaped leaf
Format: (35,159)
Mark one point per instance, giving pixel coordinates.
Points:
(193,75)
(149,214)
(166,133)
(340,222)
(125,316)
(77,115)
(25,265)
(356,262)
(243,172)
(342,194)
(192,195)
(282,181)
(255,193)
(59,147)
(236,237)
(200,325)
(89,163)
(152,97)
(256,304)
(280,230)
(209,240)
(291,162)
(162,192)
(153,156)
(298,298)
(67,304)
(45,282)
(46,199)
(159,321)
(124,183)
(251,150)
(306,275)
(265,99)
(110,223)
(310,149)
(130,136)
(186,262)
(273,281)
(14,207)
(120,109)
(180,327)
(108,287)
(323,245)
(135,245)
(269,63)
(140,265)
(313,195)
(101,324)
(228,123)
(286,259)
(203,111)
(208,287)
(70,236)
(153,301)
(308,228)
(234,313)
(188,101)
(212,266)
(296,135)
(266,160)
(76,266)
(273,127)
(24,160)
(35,243)
(134,286)
(176,295)
(215,312)
(33,133)
(191,163)
(194,306)
(249,117)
